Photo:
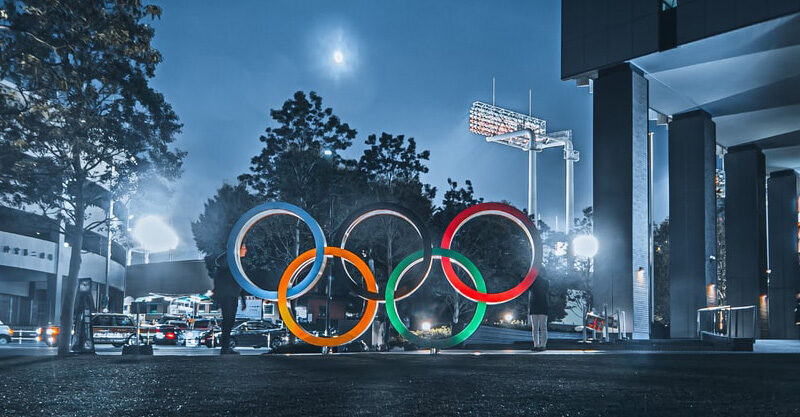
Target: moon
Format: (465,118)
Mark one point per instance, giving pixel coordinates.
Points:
(338,57)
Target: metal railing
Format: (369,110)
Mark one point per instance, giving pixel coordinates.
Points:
(20,335)
(727,322)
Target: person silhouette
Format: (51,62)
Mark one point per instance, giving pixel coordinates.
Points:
(537,310)
(226,291)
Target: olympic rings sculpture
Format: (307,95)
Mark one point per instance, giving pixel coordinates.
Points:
(317,257)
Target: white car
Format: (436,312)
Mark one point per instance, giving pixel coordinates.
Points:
(5,334)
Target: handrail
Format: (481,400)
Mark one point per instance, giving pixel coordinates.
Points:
(725,321)
(726,308)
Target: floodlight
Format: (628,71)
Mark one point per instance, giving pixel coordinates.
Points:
(585,246)
(154,234)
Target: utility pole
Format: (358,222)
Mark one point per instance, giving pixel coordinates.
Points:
(109,221)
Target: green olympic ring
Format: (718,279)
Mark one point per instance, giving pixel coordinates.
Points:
(397,275)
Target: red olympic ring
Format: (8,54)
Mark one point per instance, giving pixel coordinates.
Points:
(507,212)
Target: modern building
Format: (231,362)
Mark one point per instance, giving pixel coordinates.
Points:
(725,76)
(34,260)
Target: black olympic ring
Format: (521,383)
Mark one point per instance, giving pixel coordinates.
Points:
(391,209)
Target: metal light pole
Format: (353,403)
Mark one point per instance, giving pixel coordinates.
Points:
(328,154)
(527,133)
(532,197)
(109,220)
(330,282)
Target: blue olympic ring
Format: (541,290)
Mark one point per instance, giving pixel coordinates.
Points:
(247,221)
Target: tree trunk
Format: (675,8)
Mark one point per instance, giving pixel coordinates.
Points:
(75,239)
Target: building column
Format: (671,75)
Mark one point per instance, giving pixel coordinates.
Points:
(692,219)
(784,278)
(745,230)
(619,181)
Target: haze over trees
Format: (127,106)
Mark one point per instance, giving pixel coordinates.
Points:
(77,113)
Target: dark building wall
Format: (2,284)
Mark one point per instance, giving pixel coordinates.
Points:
(179,277)
(620,193)
(698,19)
(692,218)
(601,33)
(784,280)
(745,226)
(598,33)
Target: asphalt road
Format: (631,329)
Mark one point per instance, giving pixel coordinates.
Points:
(40,349)
(403,384)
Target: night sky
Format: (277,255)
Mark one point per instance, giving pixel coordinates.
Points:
(408,68)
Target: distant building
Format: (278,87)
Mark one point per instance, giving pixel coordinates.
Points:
(175,277)
(34,261)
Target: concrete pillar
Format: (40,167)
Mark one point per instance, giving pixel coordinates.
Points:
(620,195)
(745,228)
(692,218)
(784,280)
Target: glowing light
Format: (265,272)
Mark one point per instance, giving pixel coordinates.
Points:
(560,249)
(154,234)
(426,326)
(335,52)
(711,295)
(327,152)
(585,246)
(509,317)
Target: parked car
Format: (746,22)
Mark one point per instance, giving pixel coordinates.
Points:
(48,335)
(114,329)
(107,328)
(5,334)
(161,334)
(198,328)
(253,333)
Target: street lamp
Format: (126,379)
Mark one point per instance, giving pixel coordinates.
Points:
(585,246)
(154,234)
(327,153)
(509,317)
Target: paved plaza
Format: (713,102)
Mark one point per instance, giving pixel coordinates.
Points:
(453,383)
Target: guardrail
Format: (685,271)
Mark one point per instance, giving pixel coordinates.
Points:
(21,335)
(727,322)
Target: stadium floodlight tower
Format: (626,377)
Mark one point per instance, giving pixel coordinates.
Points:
(528,133)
